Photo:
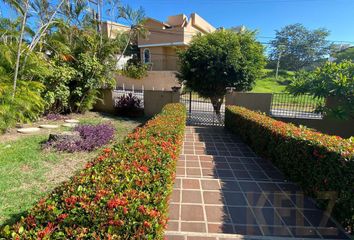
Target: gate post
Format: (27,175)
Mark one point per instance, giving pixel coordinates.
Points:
(190,102)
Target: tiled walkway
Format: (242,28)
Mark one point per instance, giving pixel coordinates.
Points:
(224,191)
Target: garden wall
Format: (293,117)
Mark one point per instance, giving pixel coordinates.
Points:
(122,194)
(155,80)
(254,101)
(321,164)
(106,102)
(343,128)
(154,101)
(262,102)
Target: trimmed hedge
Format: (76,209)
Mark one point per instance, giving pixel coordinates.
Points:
(122,194)
(316,161)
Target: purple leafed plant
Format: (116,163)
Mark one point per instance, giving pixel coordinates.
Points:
(91,137)
(54,116)
(128,102)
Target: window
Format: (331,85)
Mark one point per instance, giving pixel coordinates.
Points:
(146,55)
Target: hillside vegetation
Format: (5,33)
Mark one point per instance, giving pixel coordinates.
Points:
(268,83)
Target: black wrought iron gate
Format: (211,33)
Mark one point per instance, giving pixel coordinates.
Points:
(201,111)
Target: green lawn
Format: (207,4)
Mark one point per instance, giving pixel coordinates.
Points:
(268,83)
(27,172)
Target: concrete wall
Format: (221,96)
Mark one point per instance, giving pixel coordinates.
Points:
(162,58)
(254,101)
(341,128)
(107,102)
(154,101)
(156,80)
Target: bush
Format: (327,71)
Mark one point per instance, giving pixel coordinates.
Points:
(91,137)
(136,71)
(317,162)
(122,194)
(129,105)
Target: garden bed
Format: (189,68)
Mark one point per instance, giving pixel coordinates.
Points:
(123,193)
(28,172)
(321,164)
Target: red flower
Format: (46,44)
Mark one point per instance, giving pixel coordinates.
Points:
(154,213)
(46,231)
(125,210)
(107,150)
(101,193)
(144,169)
(31,221)
(62,216)
(117,223)
(142,209)
(115,202)
(147,224)
(71,201)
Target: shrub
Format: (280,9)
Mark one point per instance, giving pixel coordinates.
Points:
(91,137)
(136,71)
(122,194)
(128,105)
(317,162)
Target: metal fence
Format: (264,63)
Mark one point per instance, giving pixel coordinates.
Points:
(201,111)
(119,92)
(303,106)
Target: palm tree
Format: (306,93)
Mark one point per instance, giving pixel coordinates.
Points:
(136,20)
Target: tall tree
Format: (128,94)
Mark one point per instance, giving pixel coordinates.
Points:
(219,60)
(300,46)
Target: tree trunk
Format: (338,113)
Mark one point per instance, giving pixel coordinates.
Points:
(217,102)
(18,58)
(126,46)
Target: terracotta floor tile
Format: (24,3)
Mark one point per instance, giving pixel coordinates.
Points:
(210,184)
(217,214)
(220,228)
(201,238)
(192,213)
(174,211)
(190,184)
(175,237)
(193,172)
(175,197)
(172,226)
(213,197)
(192,158)
(191,196)
(193,227)
(192,164)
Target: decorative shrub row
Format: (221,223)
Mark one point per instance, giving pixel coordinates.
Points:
(122,194)
(317,162)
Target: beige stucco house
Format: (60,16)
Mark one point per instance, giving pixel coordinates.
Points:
(164,38)
(159,48)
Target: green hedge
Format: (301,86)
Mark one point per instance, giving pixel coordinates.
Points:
(122,194)
(317,162)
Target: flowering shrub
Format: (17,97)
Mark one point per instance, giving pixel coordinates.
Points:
(122,194)
(91,137)
(316,161)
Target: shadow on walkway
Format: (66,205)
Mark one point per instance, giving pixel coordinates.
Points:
(223,190)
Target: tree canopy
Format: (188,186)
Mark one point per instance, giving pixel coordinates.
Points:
(330,80)
(298,47)
(218,60)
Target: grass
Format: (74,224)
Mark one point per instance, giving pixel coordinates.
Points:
(268,84)
(27,172)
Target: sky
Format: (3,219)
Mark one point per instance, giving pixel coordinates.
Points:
(265,16)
